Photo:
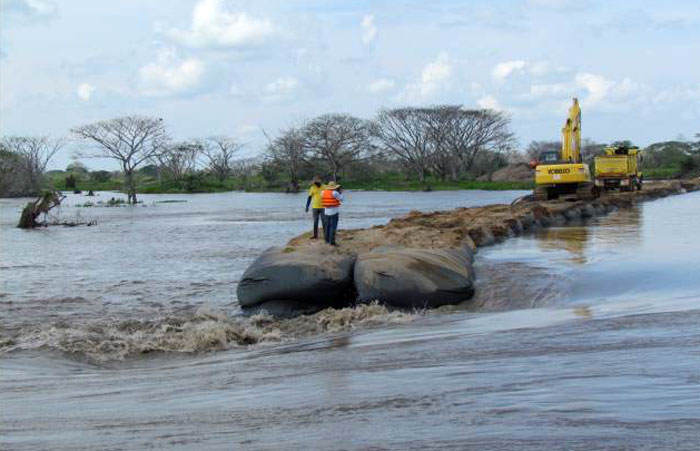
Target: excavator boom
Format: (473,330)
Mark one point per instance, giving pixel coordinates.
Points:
(571,135)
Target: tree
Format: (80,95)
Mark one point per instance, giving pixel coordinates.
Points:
(100,176)
(179,159)
(404,133)
(70,181)
(460,135)
(131,140)
(77,168)
(32,155)
(446,139)
(219,152)
(337,139)
(537,148)
(478,131)
(441,125)
(288,150)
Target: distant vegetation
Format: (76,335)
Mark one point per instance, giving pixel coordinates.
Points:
(436,148)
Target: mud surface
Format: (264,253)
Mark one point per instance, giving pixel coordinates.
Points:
(486,225)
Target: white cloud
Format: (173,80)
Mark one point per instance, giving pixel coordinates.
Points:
(550,90)
(247,130)
(381,85)
(170,75)
(369,29)
(36,9)
(435,77)
(539,68)
(213,26)
(596,91)
(598,87)
(503,70)
(281,89)
(489,102)
(85,91)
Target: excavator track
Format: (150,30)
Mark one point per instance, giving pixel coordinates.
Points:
(586,191)
(540,193)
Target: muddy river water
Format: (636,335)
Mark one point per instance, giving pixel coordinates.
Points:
(127,335)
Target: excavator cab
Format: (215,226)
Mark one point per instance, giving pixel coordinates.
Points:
(563,173)
(549,157)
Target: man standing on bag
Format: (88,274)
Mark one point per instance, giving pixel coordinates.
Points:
(331,197)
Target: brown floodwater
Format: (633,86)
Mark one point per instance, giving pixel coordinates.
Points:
(127,335)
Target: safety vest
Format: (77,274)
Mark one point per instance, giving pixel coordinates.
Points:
(328,200)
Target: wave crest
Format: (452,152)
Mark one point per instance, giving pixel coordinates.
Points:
(205,330)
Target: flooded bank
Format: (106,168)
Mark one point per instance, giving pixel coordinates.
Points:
(580,336)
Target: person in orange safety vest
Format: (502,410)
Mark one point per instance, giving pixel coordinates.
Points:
(331,199)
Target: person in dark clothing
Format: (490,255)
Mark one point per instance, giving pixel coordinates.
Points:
(314,201)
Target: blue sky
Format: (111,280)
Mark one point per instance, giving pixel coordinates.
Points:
(240,67)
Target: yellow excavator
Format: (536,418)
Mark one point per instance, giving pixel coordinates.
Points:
(559,173)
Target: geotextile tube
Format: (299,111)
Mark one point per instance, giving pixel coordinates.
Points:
(416,261)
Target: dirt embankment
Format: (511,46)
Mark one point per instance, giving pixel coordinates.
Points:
(482,226)
(421,260)
(516,172)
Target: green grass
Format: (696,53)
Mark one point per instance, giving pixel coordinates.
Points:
(670,172)
(58,181)
(208,184)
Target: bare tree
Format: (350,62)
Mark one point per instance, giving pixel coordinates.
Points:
(131,140)
(537,148)
(337,139)
(290,152)
(179,159)
(245,167)
(475,131)
(33,154)
(404,133)
(447,139)
(443,127)
(219,152)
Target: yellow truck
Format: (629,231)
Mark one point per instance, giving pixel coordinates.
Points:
(618,168)
(563,172)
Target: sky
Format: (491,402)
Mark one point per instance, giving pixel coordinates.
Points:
(241,68)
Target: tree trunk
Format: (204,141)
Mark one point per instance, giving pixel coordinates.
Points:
(130,187)
(334,170)
(421,174)
(32,210)
(28,218)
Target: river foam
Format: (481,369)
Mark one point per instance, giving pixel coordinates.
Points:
(208,329)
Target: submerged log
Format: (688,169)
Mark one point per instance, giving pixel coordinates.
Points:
(30,213)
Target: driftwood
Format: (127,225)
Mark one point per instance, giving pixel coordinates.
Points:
(45,202)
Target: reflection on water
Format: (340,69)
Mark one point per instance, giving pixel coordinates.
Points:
(621,229)
(582,338)
(571,239)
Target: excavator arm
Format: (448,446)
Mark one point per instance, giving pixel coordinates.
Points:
(571,135)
